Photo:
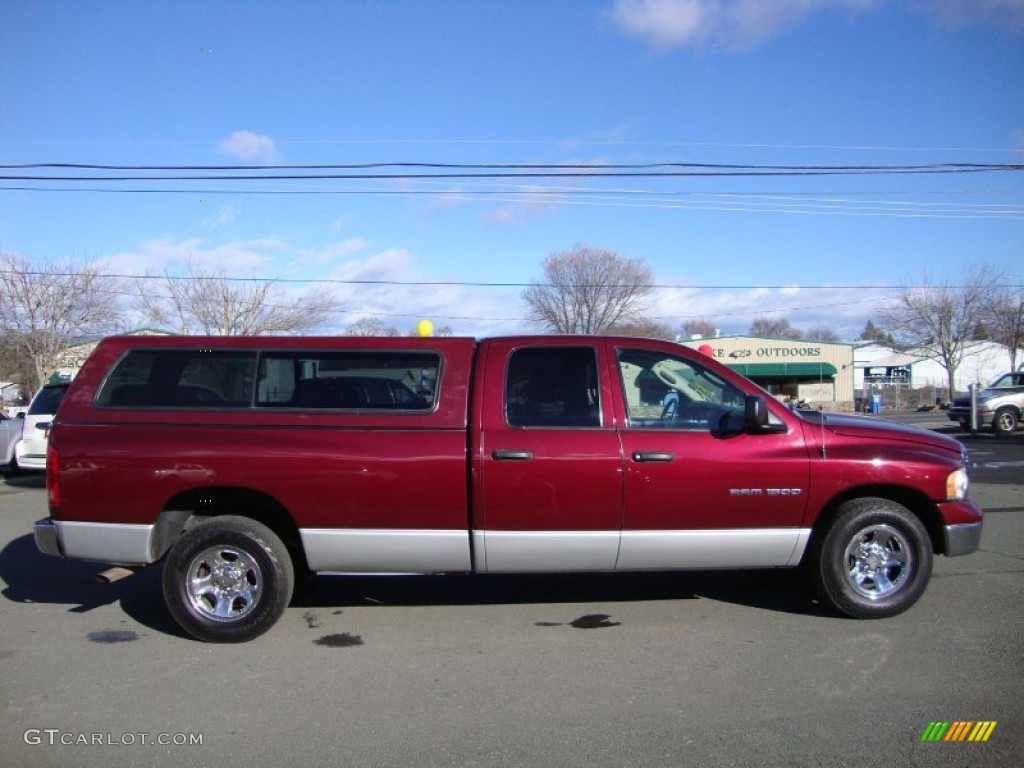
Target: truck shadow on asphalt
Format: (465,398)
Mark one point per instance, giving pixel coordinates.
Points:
(32,577)
(773,590)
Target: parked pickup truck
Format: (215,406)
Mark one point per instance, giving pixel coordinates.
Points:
(1000,405)
(240,462)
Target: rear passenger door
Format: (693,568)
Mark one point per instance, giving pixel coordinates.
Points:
(547,464)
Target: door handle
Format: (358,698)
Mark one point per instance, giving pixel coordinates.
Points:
(505,454)
(641,456)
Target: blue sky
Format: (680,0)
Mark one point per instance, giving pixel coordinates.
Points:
(739,82)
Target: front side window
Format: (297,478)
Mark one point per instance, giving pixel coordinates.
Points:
(180,378)
(552,387)
(663,391)
(348,380)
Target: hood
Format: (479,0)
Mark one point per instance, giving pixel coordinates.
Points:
(986,394)
(879,429)
(999,392)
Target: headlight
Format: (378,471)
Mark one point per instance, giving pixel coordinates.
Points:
(957,484)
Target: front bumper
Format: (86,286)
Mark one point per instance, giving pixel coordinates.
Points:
(963,416)
(961,530)
(962,539)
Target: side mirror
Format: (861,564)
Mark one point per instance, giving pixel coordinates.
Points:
(755,417)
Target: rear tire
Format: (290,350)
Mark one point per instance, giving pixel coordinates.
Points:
(228,579)
(874,560)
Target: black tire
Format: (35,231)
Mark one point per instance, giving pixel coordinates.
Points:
(228,579)
(1004,422)
(873,561)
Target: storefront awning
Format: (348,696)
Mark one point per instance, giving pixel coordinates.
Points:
(785,370)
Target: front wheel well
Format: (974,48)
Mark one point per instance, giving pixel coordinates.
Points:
(191,507)
(920,505)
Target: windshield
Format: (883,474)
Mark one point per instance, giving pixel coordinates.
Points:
(1008,380)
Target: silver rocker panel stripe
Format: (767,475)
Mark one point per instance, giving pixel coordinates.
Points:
(386,550)
(727,548)
(545,551)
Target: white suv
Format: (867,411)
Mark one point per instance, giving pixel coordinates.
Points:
(35,435)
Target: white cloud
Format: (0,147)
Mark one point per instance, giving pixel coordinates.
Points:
(383,286)
(665,24)
(339,223)
(246,145)
(957,13)
(524,206)
(237,258)
(730,24)
(333,251)
(227,214)
(733,310)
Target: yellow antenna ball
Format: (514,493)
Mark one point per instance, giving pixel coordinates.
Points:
(424,328)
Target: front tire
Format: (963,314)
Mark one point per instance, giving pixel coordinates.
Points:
(228,579)
(1004,422)
(874,560)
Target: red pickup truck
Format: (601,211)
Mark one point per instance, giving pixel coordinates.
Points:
(241,461)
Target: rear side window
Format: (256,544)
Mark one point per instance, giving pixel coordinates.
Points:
(180,378)
(552,387)
(349,380)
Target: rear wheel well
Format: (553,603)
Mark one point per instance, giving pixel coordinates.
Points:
(920,505)
(191,507)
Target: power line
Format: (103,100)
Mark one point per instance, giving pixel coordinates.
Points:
(371,171)
(479,284)
(561,142)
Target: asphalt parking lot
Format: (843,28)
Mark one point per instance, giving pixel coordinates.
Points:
(736,668)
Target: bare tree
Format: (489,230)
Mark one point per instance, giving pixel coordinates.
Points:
(210,303)
(16,364)
(822,333)
(44,309)
(699,326)
(443,331)
(938,320)
(370,326)
(1004,321)
(588,290)
(776,327)
(643,327)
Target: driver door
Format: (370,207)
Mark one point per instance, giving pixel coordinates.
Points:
(699,495)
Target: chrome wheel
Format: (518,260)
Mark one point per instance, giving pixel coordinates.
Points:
(227,579)
(879,561)
(224,583)
(1005,422)
(872,559)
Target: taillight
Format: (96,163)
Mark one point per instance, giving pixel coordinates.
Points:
(53,476)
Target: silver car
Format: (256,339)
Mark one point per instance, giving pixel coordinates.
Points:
(1000,405)
(10,434)
(30,452)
